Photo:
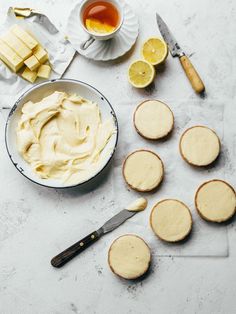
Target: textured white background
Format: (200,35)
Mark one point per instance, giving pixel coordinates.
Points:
(36,223)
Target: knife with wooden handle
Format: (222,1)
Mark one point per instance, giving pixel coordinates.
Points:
(77,248)
(176,51)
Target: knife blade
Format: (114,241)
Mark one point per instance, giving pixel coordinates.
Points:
(172,43)
(111,224)
(176,51)
(117,220)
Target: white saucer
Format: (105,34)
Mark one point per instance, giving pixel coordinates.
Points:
(109,49)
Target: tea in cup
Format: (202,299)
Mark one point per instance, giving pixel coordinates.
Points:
(101,20)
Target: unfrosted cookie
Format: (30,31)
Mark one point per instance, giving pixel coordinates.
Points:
(129,256)
(215,201)
(153,119)
(171,220)
(199,146)
(143,170)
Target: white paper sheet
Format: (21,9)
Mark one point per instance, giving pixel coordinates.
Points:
(180,181)
(59,49)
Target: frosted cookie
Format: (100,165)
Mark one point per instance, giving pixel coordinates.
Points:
(153,119)
(143,170)
(171,220)
(215,201)
(199,146)
(129,256)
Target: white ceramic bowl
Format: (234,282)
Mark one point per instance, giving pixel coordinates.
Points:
(36,93)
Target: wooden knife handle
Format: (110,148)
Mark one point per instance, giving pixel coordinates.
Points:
(65,256)
(192,75)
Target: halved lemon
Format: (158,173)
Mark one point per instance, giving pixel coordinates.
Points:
(94,25)
(154,50)
(141,73)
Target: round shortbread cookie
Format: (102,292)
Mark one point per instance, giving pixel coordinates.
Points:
(129,256)
(143,170)
(215,200)
(171,220)
(199,146)
(153,119)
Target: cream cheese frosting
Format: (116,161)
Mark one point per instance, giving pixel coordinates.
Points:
(153,119)
(171,220)
(215,200)
(137,205)
(129,256)
(143,170)
(199,145)
(62,137)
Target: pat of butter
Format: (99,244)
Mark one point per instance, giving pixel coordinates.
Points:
(32,63)
(8,56)
(29,75)
(40,54)
(29,41)
(17,45)
(23,12)
(44,71)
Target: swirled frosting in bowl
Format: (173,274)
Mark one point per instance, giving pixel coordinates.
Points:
(62,137)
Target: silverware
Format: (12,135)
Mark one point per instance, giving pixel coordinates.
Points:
(81,245)
(176,51)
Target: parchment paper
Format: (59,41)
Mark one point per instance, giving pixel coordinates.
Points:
(104,197)
(59,49)
(180,181)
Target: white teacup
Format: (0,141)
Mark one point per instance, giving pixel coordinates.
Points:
(99,36)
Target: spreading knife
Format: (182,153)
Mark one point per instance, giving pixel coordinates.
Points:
(81,245)
(176,51)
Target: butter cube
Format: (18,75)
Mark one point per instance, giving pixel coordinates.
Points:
(29,75)
(44,71)
(28,40)
(9,56)
(23,12)
(32,63)
(40,54)
(17,45)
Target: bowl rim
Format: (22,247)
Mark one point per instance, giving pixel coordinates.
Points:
(13,109)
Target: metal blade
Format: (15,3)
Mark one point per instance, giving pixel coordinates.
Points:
(174,47)
(117,220)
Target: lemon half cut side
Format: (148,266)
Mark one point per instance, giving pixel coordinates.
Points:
(141,73)
(154,50)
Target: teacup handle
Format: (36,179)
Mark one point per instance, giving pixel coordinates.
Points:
(84,45)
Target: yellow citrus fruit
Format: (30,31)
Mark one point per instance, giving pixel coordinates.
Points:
(94,25)
(154,50)
(141,73)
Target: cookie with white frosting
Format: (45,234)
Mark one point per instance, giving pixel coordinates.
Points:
(215,201)
(143,170)
(199,146)
(129,256)
(171,220)
(153,119)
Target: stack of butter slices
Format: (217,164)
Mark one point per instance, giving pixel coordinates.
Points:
(19,50)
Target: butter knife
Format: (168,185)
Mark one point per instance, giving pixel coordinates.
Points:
(65,256)
(176,51)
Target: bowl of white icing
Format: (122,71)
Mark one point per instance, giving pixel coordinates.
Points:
(61,133)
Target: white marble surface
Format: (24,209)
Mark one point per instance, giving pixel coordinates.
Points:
(36,223)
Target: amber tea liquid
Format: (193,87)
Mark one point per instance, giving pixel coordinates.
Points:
(101,17)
